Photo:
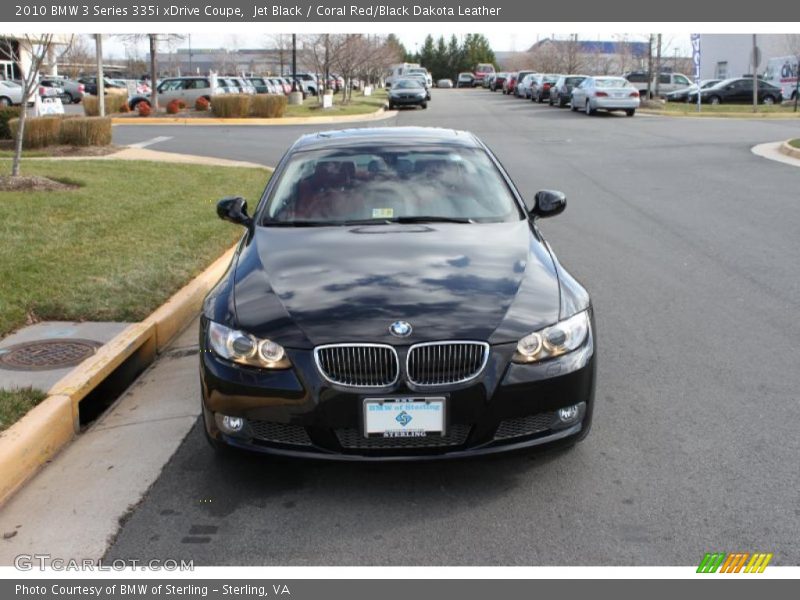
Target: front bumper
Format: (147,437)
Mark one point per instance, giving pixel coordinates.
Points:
(295,412)
(401,101)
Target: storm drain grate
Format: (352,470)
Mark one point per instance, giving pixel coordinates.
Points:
(44,355)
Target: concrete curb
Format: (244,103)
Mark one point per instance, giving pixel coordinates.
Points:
(37,437)
(378,115)
(712,115)
(788,150)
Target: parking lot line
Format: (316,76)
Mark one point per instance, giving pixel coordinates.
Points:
(151,141)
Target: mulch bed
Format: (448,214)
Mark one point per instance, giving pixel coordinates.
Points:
(32,183)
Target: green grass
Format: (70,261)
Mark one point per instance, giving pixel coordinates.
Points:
(25,153)
(15,403)
(795,143)
(726,109)
(359,105)
(118,247)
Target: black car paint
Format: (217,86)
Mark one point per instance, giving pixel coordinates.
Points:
(302,287)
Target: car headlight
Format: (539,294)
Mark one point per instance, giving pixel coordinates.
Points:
(246,349)
(565,336)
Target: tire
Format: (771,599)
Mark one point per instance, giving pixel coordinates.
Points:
(391,106)
(768,100)
(588,109)
(67,98)
(715,100)
(561,102)
(424,105)
(5,101)
(630,112)
(550,100)
(540,99)
(572,106)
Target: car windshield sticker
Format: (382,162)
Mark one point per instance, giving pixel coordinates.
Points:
(382,213)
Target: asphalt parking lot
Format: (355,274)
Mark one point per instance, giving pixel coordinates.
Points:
(688,243)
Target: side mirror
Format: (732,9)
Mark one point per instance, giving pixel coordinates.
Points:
(548,203)
(234,209)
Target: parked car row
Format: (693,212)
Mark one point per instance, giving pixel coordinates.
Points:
(738,90)
(581,92)
(189,89)
(68,91)
(618,93)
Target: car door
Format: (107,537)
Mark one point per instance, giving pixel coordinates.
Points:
(679,82)
(579,92)
(742,91)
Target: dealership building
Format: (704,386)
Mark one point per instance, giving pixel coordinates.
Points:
(724,55)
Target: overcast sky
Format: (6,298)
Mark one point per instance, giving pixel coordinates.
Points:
(114,48)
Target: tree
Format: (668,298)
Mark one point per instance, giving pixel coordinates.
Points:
(281,43)
(153,39)
(78,57)
(29,51)
(395,47)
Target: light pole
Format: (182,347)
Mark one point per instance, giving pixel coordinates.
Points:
(101,91)
(294,62)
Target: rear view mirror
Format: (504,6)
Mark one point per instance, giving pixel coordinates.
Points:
(548,203)
(234,209)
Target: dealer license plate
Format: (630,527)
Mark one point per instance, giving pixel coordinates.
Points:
(403,417)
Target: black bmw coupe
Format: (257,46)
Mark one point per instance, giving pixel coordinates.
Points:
(393,298)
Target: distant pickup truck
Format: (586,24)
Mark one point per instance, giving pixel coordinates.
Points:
(667,82)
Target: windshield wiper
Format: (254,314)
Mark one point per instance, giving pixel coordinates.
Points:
(271,223)
(431,219)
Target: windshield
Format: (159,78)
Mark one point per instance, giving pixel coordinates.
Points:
(612,82)
(408,83)
(380,185)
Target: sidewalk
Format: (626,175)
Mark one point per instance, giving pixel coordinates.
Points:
(74,506)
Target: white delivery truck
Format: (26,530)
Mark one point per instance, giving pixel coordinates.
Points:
(397,71)
(782,72)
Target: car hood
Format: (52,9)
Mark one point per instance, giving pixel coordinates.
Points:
(308,286)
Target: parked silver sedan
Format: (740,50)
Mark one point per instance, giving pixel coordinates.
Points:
(605,93)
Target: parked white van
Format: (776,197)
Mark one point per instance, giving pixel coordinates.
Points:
(782,72)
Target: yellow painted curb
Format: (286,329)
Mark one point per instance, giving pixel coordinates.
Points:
(375,116)
(719,115)
(78,383)
(788,150)
(33,440)
(177,312)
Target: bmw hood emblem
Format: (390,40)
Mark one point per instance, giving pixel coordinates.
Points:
(400,329)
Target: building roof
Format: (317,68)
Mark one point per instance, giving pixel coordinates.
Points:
(637,49)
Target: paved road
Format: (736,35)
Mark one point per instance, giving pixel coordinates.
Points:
(689,245)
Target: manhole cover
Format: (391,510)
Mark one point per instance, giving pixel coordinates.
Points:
(43,355)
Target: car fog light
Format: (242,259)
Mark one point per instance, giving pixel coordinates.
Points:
(569,413)
(232,424)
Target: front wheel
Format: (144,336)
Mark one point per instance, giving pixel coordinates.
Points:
(424,105)
(4,101)
(630,112)
(391,106)
(588,109)
(715,100)
(769,100)
(573,107)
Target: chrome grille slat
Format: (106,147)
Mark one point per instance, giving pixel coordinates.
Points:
(358,365)
(445,363)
